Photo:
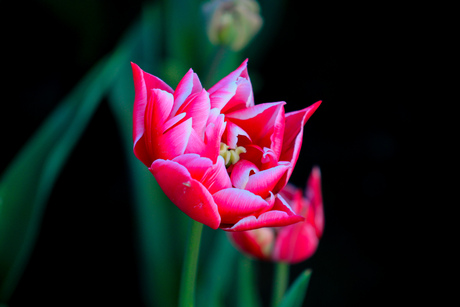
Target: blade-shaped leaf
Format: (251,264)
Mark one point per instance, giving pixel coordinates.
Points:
(26,184)
(247,283)
(158,221)
(217,276)
(295,295)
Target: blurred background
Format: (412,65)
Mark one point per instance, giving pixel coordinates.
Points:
(361,136)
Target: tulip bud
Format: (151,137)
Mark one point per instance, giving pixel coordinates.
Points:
(232,23)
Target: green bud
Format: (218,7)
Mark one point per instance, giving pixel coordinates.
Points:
(232,23)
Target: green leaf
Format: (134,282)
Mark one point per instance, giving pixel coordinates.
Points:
(160,224)
(218,273)
(296,293)
(27,183)
(247,283)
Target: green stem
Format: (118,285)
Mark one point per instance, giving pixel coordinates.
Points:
(280,282)
(189,269)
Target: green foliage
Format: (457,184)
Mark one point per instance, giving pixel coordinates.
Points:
(295,295)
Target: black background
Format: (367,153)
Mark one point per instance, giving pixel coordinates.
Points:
(350,56)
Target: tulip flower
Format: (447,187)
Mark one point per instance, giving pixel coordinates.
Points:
(294,243)
(219,158)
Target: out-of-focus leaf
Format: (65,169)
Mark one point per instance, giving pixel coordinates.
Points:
(295,295)
(247,284)
(217,274)
(26,184)
(158,221)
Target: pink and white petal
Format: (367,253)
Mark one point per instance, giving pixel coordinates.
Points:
(242,98)
(222,96)
(293,135)
(258,121)
(143,84)
(195,144)
(188,194)
(188,85)
(315,196)
(156,111)
(280,215)
(295,243)
(197,106)
(264,182)
(234,204)
(173,121)
(256,243)
(241,172)
(241,71)
(216,178)
(233,131)
(213,136)
(175,140)
(196,165)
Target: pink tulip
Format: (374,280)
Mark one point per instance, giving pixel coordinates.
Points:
(293,243)
(217,156)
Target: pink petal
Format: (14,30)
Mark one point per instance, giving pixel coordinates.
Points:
(261,122)
(189,195)
(242,98)
(222,96)
(293,134)
(240,173)
(213,136)
(241,71)
(175,140)
(280,215)
(233,131)
(216,178)
(196,165)
(156,112)
(264,182)
(295,243)
(315,196)
(235,204)
(197,106)
(143,83)
(189,84)
(254,243)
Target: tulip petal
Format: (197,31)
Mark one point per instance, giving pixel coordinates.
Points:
(316,214)
(234,204)
(233,131)
(264,182)
(143,84)
(197,106)
(241,71)
(222,96)
(188,85)
(254,243)
(241,172)
(188,194)
(280,215)
(295,243)
(261,122)
(242,98)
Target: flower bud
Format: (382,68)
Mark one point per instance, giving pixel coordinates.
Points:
(232,23)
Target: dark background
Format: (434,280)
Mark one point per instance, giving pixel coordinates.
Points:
(361,137)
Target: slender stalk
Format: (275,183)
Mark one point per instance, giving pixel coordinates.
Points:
(216,61)
(189,269)
(280,282)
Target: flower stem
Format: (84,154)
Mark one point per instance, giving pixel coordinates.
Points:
(280,282)
(189,269)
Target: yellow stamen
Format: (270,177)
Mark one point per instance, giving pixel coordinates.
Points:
(231,156)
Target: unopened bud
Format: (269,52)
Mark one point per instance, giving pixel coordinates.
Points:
(232,23)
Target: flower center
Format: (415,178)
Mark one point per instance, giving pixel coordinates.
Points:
(231,156)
